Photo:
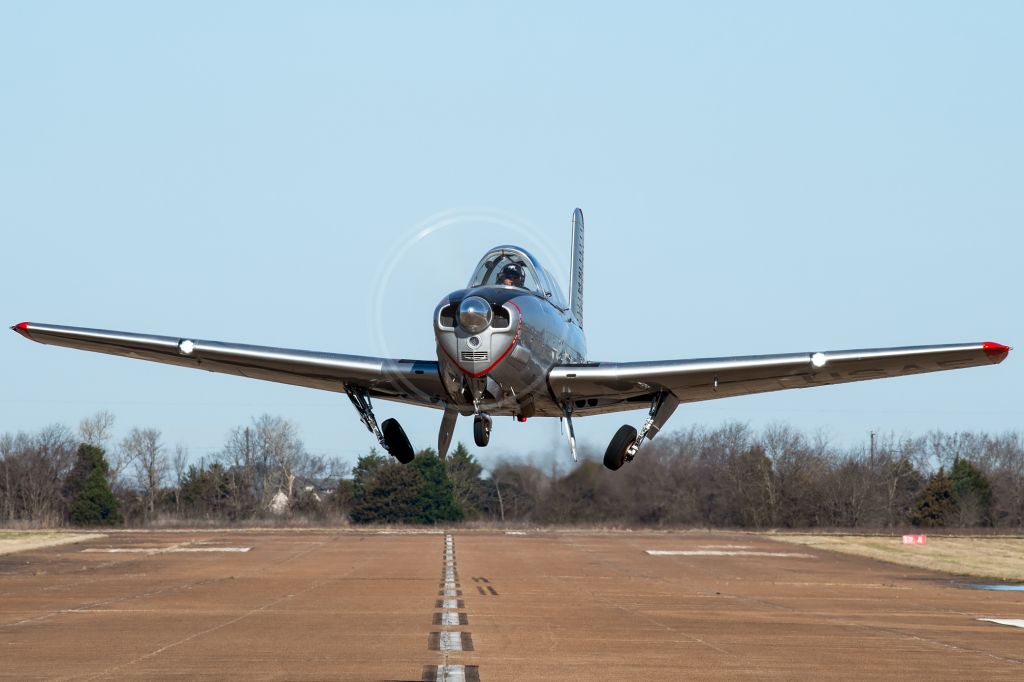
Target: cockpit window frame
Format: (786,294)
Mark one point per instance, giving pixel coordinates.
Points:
(548,288)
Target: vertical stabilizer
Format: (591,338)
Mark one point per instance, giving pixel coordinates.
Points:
(576,272)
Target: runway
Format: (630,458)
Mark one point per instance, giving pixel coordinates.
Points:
(364,605)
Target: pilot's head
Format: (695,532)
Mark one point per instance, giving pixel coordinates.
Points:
(512,275)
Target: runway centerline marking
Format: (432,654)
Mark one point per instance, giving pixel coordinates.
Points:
(448,641)
(451,618)
(451,673)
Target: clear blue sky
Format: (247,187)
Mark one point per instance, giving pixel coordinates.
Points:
(756,177)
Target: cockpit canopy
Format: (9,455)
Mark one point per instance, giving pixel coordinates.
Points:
(502,261)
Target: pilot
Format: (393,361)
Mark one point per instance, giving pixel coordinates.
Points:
(512,275)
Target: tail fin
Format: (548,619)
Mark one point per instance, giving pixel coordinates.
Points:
(576,275)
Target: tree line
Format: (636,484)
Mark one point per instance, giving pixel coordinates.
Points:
(727,476)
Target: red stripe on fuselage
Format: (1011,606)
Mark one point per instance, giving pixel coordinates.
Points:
(494,364)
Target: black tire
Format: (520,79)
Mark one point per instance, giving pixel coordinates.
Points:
(615,455)
(481,431)
(396,441)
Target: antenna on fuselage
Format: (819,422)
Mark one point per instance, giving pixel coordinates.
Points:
(576,270)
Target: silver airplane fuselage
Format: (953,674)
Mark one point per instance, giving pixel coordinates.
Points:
(496,343)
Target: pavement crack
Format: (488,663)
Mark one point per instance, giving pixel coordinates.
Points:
(194,635)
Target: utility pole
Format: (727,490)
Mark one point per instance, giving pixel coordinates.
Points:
(873,434)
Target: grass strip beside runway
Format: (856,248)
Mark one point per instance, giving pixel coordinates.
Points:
(999,558)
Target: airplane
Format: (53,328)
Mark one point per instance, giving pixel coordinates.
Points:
(511,344)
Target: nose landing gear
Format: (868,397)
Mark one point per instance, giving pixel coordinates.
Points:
(481,429)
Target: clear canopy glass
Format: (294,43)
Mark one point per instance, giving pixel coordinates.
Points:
(536,279)
(489,271)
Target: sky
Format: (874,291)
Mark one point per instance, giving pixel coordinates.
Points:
(756,178)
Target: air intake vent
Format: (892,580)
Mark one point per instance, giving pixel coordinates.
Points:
(474,355)
(447,316)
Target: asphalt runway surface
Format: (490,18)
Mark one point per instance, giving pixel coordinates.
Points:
(328,605)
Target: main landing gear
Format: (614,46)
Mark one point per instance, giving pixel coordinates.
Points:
(626,441)
(390,434)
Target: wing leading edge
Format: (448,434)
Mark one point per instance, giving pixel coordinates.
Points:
(410,381)
(606,387)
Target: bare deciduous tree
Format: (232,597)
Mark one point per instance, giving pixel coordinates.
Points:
(180,464)
(32,471)
(97,429)
(142,446)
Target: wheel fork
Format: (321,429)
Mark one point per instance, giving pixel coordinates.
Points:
(662,407)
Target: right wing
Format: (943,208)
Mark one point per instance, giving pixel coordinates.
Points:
(609,387)
(409,381)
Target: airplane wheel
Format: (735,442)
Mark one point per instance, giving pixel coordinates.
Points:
(481,430)
(615,455)
(396,441)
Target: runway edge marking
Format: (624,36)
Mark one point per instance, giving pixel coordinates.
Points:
(1012,622)
(716,552)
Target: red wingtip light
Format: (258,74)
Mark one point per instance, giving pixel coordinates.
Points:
(995,350)
(21,328)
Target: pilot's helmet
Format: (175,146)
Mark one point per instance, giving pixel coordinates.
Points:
(513,272)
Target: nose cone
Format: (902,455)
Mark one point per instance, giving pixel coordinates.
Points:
(474,314)
(476,329)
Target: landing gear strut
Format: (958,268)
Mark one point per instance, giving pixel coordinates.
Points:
(627,441)
(481,429)
(570,432)
(390,434)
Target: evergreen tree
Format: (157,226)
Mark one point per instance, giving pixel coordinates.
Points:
(972,492)
(435,499)
(207,492)
(936,504)
(91,502)
(385,491)
(468,488)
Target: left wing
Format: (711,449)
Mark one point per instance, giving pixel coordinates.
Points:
(609,387)
(409,381)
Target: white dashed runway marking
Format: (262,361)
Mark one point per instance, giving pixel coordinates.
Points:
(450,642)
(452,673)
